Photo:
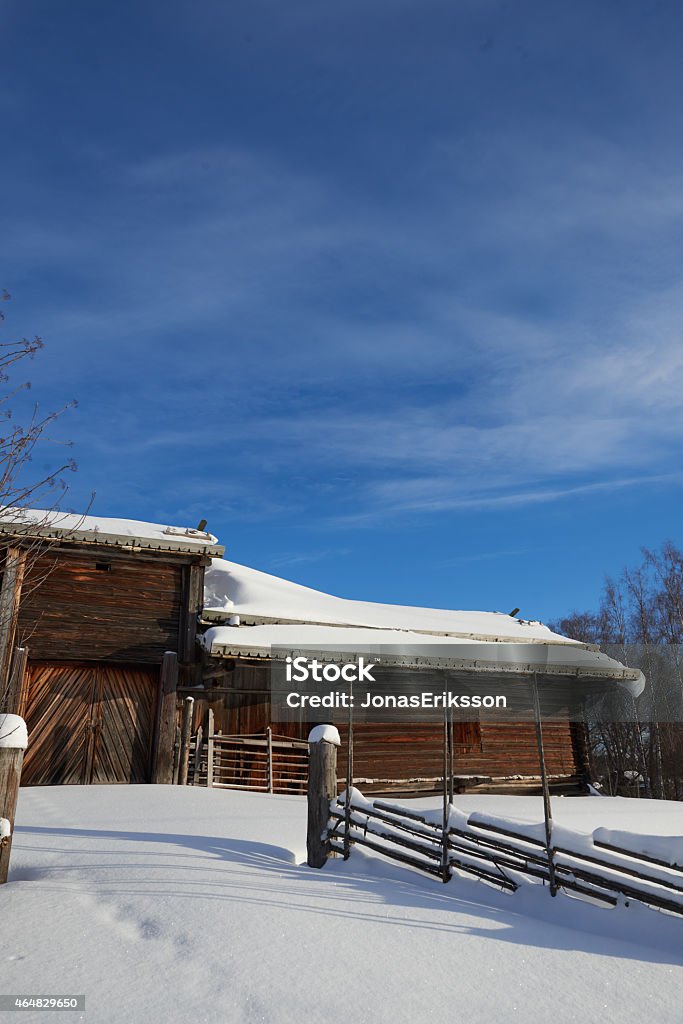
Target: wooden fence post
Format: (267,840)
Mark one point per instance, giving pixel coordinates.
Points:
(269,753)
(547,807)
(322,788)
(209,748)
(185,737)
(163,767)
(12,747)
(197,756)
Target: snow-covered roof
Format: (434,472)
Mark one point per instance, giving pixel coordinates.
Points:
(120,533)
(257,598)
(402,648)
(267,613)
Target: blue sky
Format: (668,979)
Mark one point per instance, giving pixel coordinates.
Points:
(391,294)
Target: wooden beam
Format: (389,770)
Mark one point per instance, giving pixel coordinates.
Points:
(193,599)
(10,597)
(197,756)
(15,702)
(166,723)
(209,748)
(185,736)
(269,748)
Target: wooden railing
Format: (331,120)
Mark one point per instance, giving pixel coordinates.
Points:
(261,763)
(502,855)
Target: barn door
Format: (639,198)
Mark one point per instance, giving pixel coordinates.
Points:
(58,721)
(123,716)
(88,723)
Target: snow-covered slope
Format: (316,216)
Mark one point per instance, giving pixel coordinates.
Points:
(175,904)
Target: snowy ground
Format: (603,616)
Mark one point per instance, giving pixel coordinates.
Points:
(165,904)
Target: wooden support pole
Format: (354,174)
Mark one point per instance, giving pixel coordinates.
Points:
(547,808)
(15,703)
(12,746)
(445,867)
(197,756)
(322,788)
(176,756)
(185,737)
(269,749)
(10,597)
(166,724)
(451,767)
(349,777)
(209,749)
(192,600)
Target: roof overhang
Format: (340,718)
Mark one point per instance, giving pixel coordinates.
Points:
(126,534)
(397,649)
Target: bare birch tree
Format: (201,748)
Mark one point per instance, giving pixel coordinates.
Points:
(23,489)
(641,617)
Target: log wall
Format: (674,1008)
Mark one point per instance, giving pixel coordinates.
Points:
(485,749)
(399,751)
(98,606)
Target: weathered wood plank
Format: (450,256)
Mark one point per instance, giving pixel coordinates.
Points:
(10,597)
(168,682)
(322,788)
(11,759)
(16,696)
(127,611)
(185,736)
(210,749)
(197,756)
(192,603)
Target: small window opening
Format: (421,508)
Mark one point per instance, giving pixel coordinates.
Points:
(103,566)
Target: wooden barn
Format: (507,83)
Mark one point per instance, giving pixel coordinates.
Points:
(89,606)
(108,628)
(249,614)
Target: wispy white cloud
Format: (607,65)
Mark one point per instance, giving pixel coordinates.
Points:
(239,317)
(458,502)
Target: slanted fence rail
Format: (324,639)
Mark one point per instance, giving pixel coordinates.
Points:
(261,763)
(502,856)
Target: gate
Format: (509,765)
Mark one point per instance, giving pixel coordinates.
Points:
(89,724)
(262,762)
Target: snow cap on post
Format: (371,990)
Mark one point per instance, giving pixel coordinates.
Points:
(329,733)
(13,734)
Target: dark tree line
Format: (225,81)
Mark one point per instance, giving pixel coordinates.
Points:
(637,746)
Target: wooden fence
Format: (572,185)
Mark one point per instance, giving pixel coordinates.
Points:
(260,763)
(502,855)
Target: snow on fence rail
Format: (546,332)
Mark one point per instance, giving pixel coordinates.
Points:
(502,853)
